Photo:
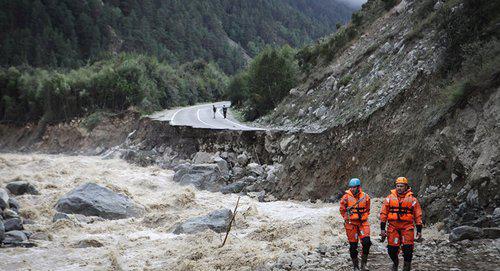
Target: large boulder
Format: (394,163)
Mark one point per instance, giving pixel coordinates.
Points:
(4,199)
(217,221)
(465,232)
(21,188)
(15,237)
(94,200)
(13,224)
(223,166)
(203,176)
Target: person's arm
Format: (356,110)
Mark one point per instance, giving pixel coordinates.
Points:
(343,208)
(417,216)
(383,217)
(368,203)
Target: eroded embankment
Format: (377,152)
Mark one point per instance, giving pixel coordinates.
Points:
(76,136)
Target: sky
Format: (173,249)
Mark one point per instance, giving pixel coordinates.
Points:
(354,2)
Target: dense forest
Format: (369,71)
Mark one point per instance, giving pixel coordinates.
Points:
(110,85)
(67,33)
(62,59)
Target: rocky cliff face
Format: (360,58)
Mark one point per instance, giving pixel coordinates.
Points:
(382,109)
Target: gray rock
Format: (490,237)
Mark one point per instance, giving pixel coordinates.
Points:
(242,159)
(465,232)
(496,216)
(2,231)
(4,199)
(94,200)
(28,234)
(235,187)
(491,233)
(255,169)
(203,158)
(60,216)
(15,237)
(8,213)
(274,171)
(21,188)
(238,172)
(13,204)
(13,224)
(217,221)
(204,176)
(223,166)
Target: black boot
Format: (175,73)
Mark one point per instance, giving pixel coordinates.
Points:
(364,260)
(407,266)
(395,266)
(355,264)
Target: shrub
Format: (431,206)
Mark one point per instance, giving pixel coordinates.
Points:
(266,81)
(344,81)
(388,4)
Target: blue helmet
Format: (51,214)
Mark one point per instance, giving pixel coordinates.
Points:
(354,182)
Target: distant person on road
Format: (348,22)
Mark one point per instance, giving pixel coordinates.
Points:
(403,212)
(214,109)
(355,209)
(224,110)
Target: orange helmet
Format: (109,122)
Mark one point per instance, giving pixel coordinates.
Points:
(402,180)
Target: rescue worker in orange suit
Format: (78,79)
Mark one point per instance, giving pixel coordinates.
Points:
(402,210)
(355,209)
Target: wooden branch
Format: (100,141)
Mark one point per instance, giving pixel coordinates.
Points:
(231,222)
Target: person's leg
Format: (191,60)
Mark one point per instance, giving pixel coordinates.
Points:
(352,237)
(366,242)
(408,238)
(393,243)
(407,256)
(353,251)
(393,254)
(364,235)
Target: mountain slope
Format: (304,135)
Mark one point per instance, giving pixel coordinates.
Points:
(69,33)
(406,90)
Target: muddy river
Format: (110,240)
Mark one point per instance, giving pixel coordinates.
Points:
(265,234)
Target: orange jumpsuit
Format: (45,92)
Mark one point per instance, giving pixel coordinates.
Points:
(402,212)
(356,221)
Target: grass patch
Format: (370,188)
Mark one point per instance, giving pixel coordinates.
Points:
(344,81)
